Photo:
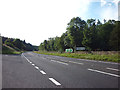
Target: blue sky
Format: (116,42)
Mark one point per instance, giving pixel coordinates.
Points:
(37,20)
(93,10)
(98,11)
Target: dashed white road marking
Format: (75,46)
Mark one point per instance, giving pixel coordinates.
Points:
(64,60)
(112,69)
(42,72)
(103,72)
(30,62)
(75,62)
(33,64)
(43,58)
(60,62)
(36,67)
(54,81)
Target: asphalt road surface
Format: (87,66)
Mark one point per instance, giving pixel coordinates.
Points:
(31,70)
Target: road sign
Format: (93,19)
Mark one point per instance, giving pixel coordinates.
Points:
(80,48)
(69,50)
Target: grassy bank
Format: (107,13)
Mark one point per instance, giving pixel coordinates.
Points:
(9,50)
(103,57)
(15,52)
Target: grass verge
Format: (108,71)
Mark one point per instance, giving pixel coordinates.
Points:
(112,58)
(9,50)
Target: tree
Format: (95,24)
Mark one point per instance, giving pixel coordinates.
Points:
(67,41)
(45,45)
(57,44)
(92,34)
(114,37)
(9,42)
(75,31)
(62,45)
(90,37)
(104,35)
(19,44)
(41,47)
(51,44)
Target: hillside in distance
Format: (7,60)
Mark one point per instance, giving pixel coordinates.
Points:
(11,45)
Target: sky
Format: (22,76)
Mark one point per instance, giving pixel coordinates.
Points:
(37,20)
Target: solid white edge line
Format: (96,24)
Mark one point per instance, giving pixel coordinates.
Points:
(54,81)
(42,72)
(26,58)
(103,72)
(113,69)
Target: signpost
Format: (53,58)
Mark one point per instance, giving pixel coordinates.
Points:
(80,48)
(69,50)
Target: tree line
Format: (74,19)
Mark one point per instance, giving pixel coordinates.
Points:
(91,34)
(18,44)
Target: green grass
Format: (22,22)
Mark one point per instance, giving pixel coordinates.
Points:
(112,58)
(9,50)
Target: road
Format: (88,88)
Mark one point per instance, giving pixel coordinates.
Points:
(31,70)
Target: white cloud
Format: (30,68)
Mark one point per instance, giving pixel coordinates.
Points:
(116,2)
(109,13)
(109,10)
(103,2)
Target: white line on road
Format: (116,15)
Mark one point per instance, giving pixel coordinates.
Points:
(103,72)
(43,58)
(54,81)
(30,62)
(60,62)
(36,67)
(63,60)
(24,56)
(112,69)
(33,64)
(75,62)
(42,72)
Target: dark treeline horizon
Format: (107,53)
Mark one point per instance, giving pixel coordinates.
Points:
(91,34)
(17,44)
